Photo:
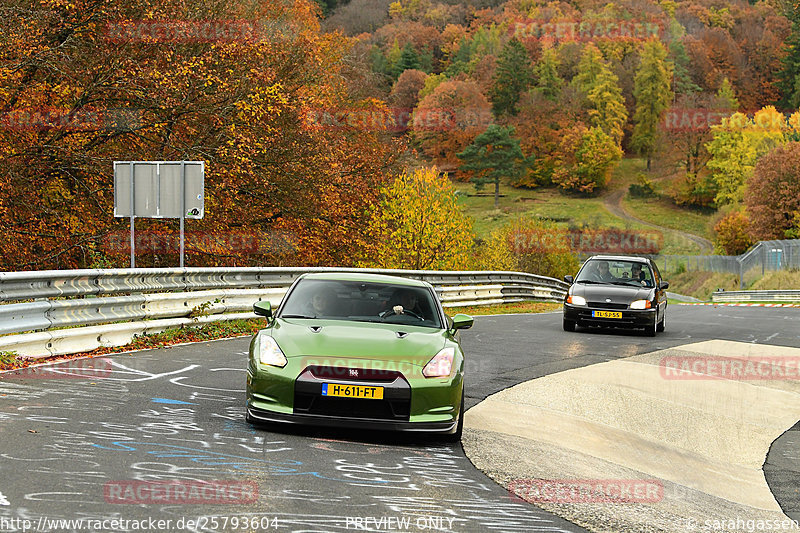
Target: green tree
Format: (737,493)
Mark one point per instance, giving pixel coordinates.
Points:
(514,76)
(727,96)
(653,96)
(493,155)
(789,76)
(548,83)
(682,80)
(409,59)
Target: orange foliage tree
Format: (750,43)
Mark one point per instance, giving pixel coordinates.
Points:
(100,89)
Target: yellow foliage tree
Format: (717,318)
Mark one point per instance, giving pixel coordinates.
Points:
(418,225)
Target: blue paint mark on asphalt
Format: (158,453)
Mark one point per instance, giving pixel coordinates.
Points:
(172,402)
(243,465)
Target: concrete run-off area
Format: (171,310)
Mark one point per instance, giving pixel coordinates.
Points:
(676,438)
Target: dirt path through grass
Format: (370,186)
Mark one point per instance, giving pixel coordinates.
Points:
(613,203)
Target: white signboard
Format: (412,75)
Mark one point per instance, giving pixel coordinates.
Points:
(160,189)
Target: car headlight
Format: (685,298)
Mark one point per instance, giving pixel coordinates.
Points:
(641,304)
(441,365)
(576,300)
(269,353)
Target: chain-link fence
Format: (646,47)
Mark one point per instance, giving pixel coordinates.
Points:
(764,256)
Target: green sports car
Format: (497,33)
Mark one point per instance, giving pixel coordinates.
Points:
(361,351)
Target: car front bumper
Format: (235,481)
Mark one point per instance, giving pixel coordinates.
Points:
(266,416)
(631,318)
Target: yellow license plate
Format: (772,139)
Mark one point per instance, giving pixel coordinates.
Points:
(352,391)
(606,314)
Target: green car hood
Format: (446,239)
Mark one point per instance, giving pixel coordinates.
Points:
(357,340)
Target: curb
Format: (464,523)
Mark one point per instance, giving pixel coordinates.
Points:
(739,304)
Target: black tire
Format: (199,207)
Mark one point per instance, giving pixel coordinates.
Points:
(568,325)
(651,330)
(456,437)
(663,324)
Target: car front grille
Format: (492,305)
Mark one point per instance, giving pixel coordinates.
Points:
(606,305)
(352,408)
(395,405)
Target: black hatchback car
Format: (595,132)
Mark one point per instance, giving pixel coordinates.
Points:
(619,292)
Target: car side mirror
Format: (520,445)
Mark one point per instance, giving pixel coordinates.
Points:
(569,279)
(664,285)
(263,308)
(462,321)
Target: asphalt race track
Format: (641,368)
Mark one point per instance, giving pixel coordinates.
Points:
(72,447)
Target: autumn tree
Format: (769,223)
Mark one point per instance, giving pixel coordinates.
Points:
(405,92)
(737,144)
(773,193)
(447,120)
(732,234)
(494,155)
(653,97)
(245,105)
(599,84)
(588,157)
(529,245)
(514,75)
(417,224)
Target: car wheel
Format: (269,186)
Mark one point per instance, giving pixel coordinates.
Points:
(456,437)
(569,325)
(663,323)
(650,330)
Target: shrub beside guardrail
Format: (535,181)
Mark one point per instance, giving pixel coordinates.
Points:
(79,310)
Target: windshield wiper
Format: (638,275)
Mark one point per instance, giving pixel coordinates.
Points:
(591,282)
(298,316)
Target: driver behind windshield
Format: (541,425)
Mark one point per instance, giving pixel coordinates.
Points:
(404,300)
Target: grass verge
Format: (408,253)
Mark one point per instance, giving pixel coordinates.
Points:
(517,307)
(205,332)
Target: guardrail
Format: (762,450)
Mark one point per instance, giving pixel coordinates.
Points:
(762,296)
(79,310)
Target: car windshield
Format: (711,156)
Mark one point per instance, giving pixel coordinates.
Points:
(362,302)
(612,272)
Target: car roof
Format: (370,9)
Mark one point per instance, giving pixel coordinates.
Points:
(365,277)
(634,258)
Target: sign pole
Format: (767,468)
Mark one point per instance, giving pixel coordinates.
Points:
(183,205)
(133,216)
